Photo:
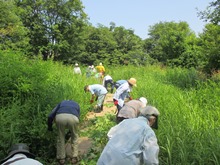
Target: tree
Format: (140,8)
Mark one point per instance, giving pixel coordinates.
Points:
(210,43)
(169,40)
(212,13)
(12,31)
(55,27)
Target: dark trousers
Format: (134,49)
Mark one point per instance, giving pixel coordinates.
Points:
(107,82)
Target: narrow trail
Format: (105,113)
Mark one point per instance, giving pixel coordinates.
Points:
(85,143)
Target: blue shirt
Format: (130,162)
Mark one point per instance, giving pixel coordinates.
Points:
(66,106)
(132,142)
(97,89)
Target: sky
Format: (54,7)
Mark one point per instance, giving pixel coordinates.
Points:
(139,15)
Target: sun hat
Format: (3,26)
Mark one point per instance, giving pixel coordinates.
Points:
(143,100)
(150,111)
(132,81)
(19,148)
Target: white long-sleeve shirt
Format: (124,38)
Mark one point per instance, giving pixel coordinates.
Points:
(122,92)
(131,142)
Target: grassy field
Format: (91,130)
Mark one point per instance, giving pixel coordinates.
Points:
(189,124)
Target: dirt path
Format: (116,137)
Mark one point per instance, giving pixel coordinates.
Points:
(85,143)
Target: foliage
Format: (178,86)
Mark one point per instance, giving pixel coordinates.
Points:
(186,111)
(210,41)
(12,31)
(211,13)
(55,27)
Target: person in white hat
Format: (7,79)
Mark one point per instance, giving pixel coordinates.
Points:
(77,69)
(20,154)
(122,91)
(133,141)
(131,109)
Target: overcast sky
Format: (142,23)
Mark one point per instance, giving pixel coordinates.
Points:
(138,15)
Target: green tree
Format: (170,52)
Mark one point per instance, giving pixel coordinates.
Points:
(171,43)
(12,31)
(212,13)
(210,43)
(56,27)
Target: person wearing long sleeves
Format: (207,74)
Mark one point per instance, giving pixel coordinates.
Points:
(108,80)
(133,141)
(98,93)
(66,116)
(122,92)
(131,109)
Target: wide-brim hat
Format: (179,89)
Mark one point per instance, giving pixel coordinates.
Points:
(132,81)
(150,111)
(18,148)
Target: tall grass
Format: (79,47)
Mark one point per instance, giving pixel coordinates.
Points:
(189,124)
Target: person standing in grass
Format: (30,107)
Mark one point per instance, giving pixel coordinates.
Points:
(98,93)
(131,109)
(108,80)
(122,92)
(101,70)
(66,116)
(133,141)
(77,69)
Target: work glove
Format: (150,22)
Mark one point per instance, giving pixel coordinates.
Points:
(50,129)
(116,102)
(91,101)
(130,98)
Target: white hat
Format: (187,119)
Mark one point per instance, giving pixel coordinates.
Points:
(144,101)
(100,63)
(76,64)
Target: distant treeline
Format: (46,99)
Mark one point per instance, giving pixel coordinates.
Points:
(60,30)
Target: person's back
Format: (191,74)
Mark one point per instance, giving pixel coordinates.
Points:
(133,142)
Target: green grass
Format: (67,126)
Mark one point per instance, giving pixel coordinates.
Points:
(189,124)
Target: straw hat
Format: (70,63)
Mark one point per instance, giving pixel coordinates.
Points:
(19,148)
(132,81)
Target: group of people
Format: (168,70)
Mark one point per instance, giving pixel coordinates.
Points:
(97,71)
(132,140)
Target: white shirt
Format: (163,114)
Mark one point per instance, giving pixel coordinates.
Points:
(25,161)
(131,142)
(107,77)
(121,93)
(77,70)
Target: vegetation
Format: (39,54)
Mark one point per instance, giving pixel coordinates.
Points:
(177,70)
(60,30)
(188,102)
